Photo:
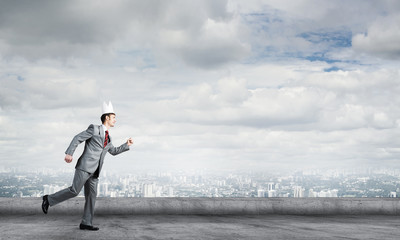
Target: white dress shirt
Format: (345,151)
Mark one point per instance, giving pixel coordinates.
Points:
(104,129)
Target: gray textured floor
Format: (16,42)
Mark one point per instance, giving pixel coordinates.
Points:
(201,227)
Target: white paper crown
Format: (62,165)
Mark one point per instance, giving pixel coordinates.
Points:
(108,108)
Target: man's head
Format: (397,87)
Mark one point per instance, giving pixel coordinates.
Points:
(108,119)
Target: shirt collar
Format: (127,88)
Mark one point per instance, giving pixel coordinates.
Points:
(104,128)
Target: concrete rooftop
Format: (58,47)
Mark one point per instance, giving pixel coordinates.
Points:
(189,219)
(201,227)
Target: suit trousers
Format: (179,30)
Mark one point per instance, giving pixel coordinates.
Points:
(81,178)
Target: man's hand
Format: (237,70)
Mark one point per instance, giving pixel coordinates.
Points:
(129,142)
(68,158)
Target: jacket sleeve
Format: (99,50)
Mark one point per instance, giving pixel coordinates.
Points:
(83,136)
(117,150)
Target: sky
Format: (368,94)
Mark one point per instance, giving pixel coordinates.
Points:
(221,85)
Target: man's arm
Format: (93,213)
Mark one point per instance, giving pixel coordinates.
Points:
(124,147)
(83,136)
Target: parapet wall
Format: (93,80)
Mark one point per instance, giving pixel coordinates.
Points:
(210,206)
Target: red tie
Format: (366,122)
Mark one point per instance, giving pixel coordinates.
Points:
(106,139)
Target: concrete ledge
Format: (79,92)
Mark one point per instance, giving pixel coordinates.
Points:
(210,206)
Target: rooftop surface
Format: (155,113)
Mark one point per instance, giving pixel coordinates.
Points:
(201,227)
(204,218)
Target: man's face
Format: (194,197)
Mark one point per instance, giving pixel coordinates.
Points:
(110,120)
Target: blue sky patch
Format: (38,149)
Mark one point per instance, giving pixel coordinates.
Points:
(337,39)
(332,69)
(320,57)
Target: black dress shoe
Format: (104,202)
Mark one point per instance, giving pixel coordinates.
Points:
(45,204)
(88,227)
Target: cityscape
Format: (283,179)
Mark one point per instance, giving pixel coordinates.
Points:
(204,183)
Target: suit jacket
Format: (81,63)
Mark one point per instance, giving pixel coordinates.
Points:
(94,152)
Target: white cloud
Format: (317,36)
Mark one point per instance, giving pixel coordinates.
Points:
(233,91)
(202,83)
(201,33)
(217,44)
(381,38)
(39,86)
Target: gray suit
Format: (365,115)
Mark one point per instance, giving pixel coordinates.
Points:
(87,169)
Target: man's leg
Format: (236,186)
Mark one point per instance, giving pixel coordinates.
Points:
(90,200)
(80,178)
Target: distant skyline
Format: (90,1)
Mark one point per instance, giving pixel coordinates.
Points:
(315,183)
(203,84)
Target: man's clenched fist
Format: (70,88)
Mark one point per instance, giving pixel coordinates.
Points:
(68,158)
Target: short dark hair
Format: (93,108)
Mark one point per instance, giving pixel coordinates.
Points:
(103,117)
